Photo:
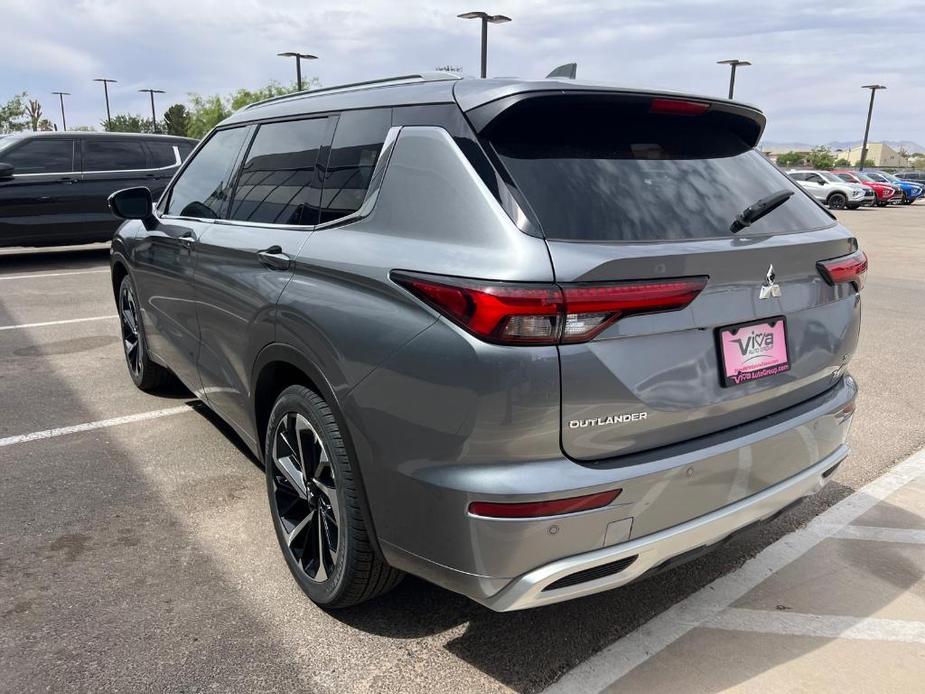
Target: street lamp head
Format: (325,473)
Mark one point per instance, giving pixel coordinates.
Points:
(295,54)
(491,18)
(62,93)
(152,91)
(875,87)
(733,61)
(103,79)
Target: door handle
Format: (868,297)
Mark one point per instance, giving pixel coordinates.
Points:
(68,180)
(187,239)
(274,258)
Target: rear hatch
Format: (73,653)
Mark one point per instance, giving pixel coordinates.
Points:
(630,188)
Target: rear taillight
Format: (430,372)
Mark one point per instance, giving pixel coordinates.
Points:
(849,268)
(545,314)
(591,308)
(538,509)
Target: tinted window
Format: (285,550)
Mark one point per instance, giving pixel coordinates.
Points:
(204,184)
(797,176)
(113,155)
(357,143)
(185,150)
(42,155)
(846,177)
(276,182)
(605,173)
(162,154)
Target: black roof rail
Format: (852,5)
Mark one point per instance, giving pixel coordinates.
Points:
(385,81)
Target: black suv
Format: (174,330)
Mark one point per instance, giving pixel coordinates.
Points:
(54,186)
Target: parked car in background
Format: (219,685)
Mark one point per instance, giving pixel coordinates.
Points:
(885,192)
(909,191)
(54,186)
(913,176)
(477,333)
(828,188)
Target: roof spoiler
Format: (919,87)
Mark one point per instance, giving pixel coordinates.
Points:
(569,71)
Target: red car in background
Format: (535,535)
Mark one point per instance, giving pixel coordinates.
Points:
(883,191)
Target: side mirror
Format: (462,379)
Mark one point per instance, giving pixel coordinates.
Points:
(133,203)
(6,171)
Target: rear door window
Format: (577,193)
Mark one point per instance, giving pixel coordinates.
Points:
(162,154)
(594,172)
(357,143)
(113,155)
(41,155)
(204,185)
(277,184)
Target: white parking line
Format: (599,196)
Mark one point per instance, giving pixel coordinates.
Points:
(817,625)
(864,532)
(23,326)
(615,661)
(89,426)
(39,275)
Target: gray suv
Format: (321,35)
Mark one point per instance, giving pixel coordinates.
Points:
(528,340)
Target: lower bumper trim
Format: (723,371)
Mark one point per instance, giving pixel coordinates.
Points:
(551,583)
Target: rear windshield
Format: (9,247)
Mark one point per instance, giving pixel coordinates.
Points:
(593,174)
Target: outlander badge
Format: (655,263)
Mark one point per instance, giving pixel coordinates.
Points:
(770,288)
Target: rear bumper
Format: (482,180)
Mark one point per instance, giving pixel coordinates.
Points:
(538,587)
(675,501)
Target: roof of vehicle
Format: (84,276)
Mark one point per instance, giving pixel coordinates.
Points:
(84,135)
(444,87)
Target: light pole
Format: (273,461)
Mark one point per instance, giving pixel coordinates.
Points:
(106,92)
(733,64)
(486,18)
(152,92)
(299,57)
(61,96)
(870,111)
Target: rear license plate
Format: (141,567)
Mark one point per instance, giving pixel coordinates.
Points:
(749,351)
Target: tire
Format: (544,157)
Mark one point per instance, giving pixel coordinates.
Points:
(317,518)
(837,201)
(882,203)
(146,374)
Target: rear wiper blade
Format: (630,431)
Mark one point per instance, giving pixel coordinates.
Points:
(756,211)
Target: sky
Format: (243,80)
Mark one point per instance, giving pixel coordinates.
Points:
(810,57)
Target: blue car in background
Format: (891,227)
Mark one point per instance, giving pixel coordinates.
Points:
(910,191)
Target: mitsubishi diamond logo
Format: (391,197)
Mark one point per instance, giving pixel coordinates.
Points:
(770,289)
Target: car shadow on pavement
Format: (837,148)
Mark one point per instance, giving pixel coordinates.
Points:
(16,260)
(109,582)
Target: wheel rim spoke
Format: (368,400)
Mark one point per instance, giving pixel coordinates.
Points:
(305,492)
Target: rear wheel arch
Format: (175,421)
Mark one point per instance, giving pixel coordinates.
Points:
(119,271)
(279,366)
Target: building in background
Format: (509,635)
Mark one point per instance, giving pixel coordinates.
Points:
(881,154)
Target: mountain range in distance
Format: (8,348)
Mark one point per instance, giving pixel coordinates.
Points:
(908,145)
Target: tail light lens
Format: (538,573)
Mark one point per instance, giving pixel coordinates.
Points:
(537,509)
(591,308)
(545,314)
(849,268)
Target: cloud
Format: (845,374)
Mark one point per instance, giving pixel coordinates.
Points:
(809,59)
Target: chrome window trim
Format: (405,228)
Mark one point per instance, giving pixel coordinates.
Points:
(176,156)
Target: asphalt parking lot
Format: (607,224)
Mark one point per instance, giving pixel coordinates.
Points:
(137,553)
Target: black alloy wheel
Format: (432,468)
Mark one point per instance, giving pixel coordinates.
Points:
(316,500)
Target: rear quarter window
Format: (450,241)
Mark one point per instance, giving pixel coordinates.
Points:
(594,173)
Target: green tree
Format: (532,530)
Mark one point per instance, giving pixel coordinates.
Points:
(13,114)
(841,162)
(789,159)
(177,120)
(821,158)
(205,113)
(45,125)
(129,123)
